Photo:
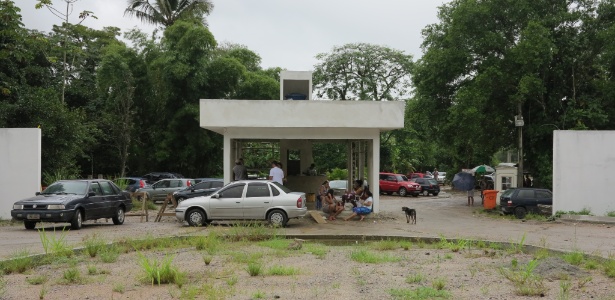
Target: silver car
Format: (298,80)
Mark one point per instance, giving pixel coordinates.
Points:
(159,190)
(244,200)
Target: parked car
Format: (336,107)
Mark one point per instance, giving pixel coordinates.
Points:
(74,201)
(197,180)
(244,200)
(441,178)
(153,177)
(159,190)
(339,187)
(418,175)
(204,188)
(520,201)
(132,183)
(397,183)
(428,186)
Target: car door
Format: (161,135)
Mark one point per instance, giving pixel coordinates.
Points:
(227,203)
(258,199)
(160,190)
(526,198)
(110,201)
(544,197)
(94,204)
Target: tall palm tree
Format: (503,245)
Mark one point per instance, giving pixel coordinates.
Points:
(167,12)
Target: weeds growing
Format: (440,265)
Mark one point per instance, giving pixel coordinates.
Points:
(526,283)
(36,280)
(364,256)
(282,271)
(18,262)
(93,245)
(160,272)
(54,244)
(419,293)
(574,258)
(254,269)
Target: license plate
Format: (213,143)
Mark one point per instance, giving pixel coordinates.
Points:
(33,217)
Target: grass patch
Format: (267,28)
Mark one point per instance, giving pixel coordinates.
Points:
(609,268)
(205,291)
(536,217)
(439,284)
(591,264)
(319,250)
(210,243)
(259,295)
(109,254)
(119,288)
(254,269)
(275,243)
(416,278)
(406,245)
(611,214)
(384,245)
(36,280)
(70,276)
(18,262)
(93,245)
(55,244)
(524,280)
(574,258)
(245,258)
(282,271)
(419,293)
(207,259)
(160,271)
(253,232)
(364,256)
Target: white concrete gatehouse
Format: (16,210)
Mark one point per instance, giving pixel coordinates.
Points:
(296,125)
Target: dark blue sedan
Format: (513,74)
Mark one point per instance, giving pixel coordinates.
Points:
(74,201)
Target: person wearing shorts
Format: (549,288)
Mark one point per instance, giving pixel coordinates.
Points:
(364,207)
(471,197)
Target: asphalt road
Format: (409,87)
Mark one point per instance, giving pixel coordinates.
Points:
(446,215)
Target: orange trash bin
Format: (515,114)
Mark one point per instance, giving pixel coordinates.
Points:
(490,199)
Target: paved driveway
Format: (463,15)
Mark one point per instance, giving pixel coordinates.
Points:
(446,215)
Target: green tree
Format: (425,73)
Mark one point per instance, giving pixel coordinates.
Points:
(487,61)
(363,72)
(167,12)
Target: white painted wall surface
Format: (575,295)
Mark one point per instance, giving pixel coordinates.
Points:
(217,115)
(20,166)
(583,164)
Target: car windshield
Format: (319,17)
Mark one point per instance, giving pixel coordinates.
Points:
(281,187)
(432,181)
(338,184)
(67,187)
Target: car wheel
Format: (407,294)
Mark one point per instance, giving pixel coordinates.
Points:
(403,192)
(196,217)
(77,220)
(520,212)
(119,217)
(435,194)
(277,218)
(29,224)
(425,193)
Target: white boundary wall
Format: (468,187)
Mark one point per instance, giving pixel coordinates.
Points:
(20,166)
(583,165)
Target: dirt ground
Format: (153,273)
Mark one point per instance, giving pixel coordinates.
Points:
(466,275)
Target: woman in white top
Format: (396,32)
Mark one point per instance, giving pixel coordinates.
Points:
(364,207)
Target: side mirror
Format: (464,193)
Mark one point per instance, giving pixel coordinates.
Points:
(91,194)
(217,196)
(37,193)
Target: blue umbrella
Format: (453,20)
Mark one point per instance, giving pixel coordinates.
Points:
(463,181)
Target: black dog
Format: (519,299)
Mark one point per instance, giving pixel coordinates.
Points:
(410,214)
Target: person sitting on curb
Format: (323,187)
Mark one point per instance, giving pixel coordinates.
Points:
(331,206)
(364,207)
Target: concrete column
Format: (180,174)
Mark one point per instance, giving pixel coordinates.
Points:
(228,161)
(349,163)
(284,155)
(373,167)
(361,146)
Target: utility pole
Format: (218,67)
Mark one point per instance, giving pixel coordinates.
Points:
(519,124)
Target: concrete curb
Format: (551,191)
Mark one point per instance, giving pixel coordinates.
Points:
(587,219)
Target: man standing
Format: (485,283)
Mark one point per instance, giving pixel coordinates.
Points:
(239,170)
(435,174)
(276,174)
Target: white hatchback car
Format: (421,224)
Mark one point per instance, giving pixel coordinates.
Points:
(244,200)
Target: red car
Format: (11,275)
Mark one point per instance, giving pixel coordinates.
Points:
(397,183)
(418,175)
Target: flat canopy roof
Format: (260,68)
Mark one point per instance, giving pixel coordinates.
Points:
(220,115)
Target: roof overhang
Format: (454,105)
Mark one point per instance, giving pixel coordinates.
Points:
(281,118)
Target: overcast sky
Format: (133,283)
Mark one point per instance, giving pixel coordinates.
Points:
(285,33)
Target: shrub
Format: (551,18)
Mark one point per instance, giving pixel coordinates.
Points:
(160,272)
